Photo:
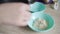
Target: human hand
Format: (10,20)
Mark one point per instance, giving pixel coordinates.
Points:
(14,14)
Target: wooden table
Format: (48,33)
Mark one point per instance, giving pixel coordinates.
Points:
(8,29)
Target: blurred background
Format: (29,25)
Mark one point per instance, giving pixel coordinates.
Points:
(9,1)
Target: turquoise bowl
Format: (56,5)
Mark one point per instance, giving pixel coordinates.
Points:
(47,17)
(37,7)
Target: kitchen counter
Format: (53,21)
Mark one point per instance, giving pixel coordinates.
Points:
(8,29)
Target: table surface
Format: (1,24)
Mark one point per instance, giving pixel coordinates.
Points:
(8,29)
